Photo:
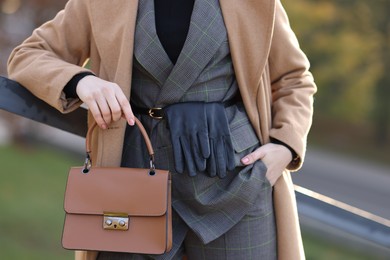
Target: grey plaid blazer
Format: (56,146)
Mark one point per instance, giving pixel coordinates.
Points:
(203,72)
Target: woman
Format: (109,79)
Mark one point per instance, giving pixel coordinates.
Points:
(159,53)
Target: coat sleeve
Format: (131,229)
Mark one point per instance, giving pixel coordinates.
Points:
(55,52)
(293,88)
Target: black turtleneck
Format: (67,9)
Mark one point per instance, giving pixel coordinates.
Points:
(172,23)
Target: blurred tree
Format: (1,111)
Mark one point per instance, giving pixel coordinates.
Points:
(347,43)
(381,20)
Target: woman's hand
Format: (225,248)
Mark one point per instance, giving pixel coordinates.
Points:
(275,156)
(105,100)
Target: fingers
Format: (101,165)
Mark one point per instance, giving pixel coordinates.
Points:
(203,139)
(105,100)
(200,161)
(254,156)
(230,164)
(211,162)
(221,158)
(274,156)
(126,110)
(188,157)
(178,156)
(94,108)
(104,109)
(114,111)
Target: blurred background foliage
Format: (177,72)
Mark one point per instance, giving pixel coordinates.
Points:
(348,45)
(347,42)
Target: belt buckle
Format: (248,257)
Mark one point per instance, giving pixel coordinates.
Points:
(153,111)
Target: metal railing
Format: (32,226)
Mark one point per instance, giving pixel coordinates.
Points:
(343,217)
(16,99)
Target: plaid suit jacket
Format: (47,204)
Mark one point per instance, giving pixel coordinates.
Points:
(203,72)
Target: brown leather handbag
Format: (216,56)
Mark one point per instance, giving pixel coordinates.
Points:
(118,209)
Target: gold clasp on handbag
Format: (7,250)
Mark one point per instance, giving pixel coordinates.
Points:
(116,221)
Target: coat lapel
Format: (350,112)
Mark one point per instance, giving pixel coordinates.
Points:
(113,30)
(206,33)
(148,49)
(250,27)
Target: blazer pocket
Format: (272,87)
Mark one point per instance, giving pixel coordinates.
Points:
(243,136)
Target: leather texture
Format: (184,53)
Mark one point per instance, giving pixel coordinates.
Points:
(189,134)
(221,147)
(200,138)
(144,197)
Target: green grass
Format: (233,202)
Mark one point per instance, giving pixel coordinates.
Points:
(32,183)
(318,248)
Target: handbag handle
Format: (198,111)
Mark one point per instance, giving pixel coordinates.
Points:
(88,161)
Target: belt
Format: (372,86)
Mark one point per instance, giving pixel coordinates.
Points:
(154,112)
(158,112)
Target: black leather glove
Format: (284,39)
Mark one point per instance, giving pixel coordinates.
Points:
(221,146)
(188,126)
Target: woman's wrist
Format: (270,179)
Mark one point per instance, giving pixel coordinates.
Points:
(71,86)
(294,155)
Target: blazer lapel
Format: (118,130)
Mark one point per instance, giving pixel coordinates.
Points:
(148,49)
(206,33)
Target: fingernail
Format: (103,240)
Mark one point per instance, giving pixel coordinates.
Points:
(104,126)
(245,160)
(131,122)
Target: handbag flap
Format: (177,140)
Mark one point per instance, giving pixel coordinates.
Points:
(117,190)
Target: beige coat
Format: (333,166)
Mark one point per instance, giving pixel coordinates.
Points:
(271,70)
